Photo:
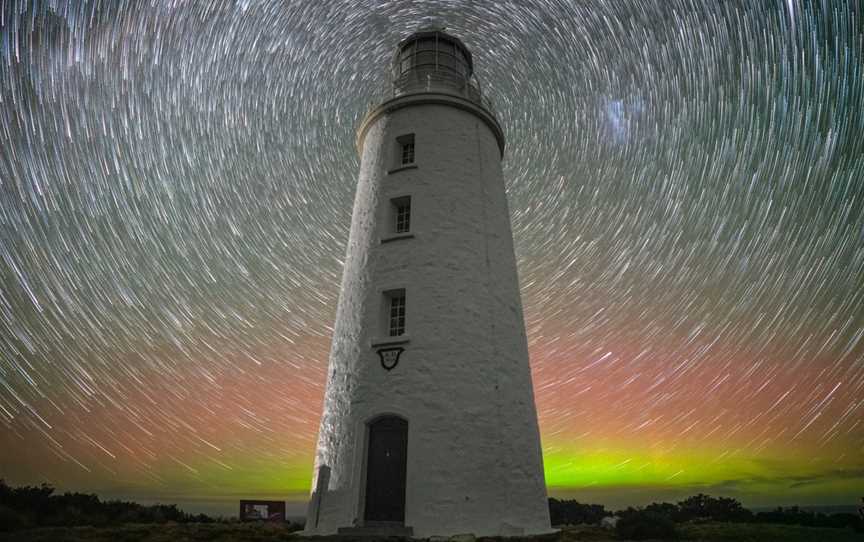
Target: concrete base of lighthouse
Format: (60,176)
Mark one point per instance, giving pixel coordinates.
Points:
(378,531)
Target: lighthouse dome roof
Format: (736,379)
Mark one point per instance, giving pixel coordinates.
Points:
(431,50)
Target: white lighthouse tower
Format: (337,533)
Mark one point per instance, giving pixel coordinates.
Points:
(429,424)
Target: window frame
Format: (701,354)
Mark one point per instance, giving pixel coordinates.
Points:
(401,215)
(394,313)
(406,147)
(389,227)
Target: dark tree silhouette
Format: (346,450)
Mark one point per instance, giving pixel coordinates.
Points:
(570,512)
(37,506)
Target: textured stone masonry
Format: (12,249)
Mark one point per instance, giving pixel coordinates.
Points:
(463,382)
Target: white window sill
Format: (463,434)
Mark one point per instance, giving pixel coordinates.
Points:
(390,341)
(402,168)
(396,237)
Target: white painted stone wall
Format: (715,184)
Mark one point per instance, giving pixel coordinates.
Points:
(463,383)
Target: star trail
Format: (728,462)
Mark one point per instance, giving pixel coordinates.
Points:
(686,185)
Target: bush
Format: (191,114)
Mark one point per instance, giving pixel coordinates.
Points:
(638,524)
(664,509)
(574,512)
(793,515)
(10,520)
(705,507)
(32,506)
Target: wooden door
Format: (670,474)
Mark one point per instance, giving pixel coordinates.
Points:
(386,466)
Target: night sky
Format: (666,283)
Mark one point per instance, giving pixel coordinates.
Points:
(686,183)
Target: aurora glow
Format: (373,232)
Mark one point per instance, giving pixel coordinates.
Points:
(686,180)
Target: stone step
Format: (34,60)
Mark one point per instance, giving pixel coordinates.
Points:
(378,530)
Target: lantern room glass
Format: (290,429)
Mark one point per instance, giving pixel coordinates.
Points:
(431,55)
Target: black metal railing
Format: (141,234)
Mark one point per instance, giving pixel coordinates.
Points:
(433,81)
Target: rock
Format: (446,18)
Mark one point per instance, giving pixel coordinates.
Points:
(609,522)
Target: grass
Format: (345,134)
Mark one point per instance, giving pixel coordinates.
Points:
(256,532)
(765,532)
(181,532)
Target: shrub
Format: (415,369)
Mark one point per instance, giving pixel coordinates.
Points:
(638,524)
(664,509)
(794,515)
(574,512)
(11,520)
(33,506)
(706,507)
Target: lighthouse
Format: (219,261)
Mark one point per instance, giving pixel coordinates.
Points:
(429,425)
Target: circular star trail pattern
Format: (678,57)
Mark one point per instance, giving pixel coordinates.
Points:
(685,182)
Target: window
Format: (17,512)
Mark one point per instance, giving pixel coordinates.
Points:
(408,153)
(396,220)
(395,303)
(391,328)
(402,214)
(403,154)
(406,149)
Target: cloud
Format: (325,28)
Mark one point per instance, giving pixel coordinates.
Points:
(826,477)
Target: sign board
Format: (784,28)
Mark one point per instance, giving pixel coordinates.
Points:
(262,510)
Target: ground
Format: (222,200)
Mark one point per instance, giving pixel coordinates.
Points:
(251,532)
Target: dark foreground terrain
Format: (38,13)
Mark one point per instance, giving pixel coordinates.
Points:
(251,532)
